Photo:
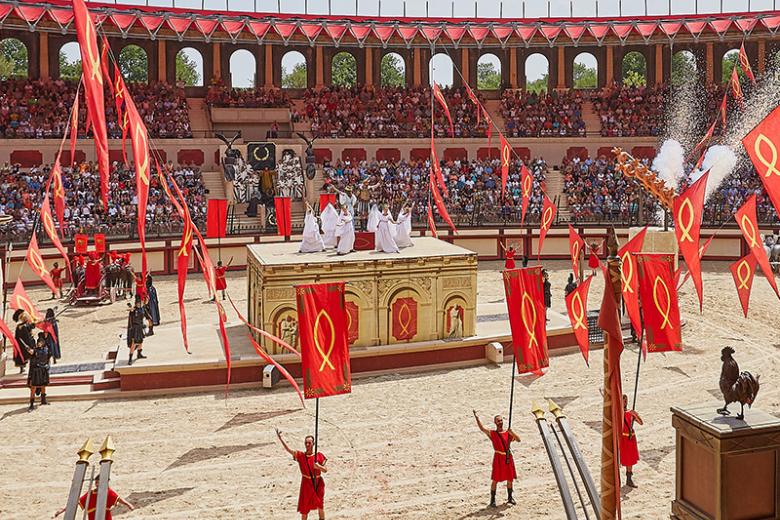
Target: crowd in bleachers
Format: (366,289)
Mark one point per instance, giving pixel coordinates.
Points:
(630,111)
(529,114)
(220,95)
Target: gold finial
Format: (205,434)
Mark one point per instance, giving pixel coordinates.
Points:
(556,410)
(107,449)
(537,411)
(86,451)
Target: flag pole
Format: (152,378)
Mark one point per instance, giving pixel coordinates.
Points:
(511,398)
(638,363)
(316,434)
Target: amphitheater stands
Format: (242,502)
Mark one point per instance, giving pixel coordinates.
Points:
(528,114)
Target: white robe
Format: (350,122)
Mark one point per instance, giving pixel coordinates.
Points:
(330,219)
(383,237)
(346,233)
(373,219)
(403,229)
(312,240)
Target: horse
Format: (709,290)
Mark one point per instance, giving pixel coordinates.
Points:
(772,248)
(120,279)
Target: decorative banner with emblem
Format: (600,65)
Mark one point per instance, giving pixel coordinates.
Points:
(261,156)
(688,212)
(761,145)
(629,281)
(353,322)
(743,271)
(525,304)
(322,325)
(549,211)
(404,317)
(577,308)
(748,224)
(658,296)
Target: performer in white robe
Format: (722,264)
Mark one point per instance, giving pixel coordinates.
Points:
(373,219)
(383,237)
(403,229)
(330,219)
(345,231)
(312,239)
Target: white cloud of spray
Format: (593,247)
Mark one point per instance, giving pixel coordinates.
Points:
(720,160)
(669,163)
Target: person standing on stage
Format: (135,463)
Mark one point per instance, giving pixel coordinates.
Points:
(403,231)
(312,491)
(90,497)
(53,342)
(312,239)
(509,254)
(56,277)
(152,304)
(220,280)
(629,451)
(593,259)
(345,232)
(503,460)
(347,199)
(38,376)
(24,337)
(330,219)
(135,329)
(383,236)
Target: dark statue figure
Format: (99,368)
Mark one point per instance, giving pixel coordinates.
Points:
(737,387)
(311,169)
(232,156)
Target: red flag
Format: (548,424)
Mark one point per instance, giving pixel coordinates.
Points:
(327,198)
(436,166)
(506,157)
(431,222)
(440,204)
(443,102)
(11,337)
(744,63)
(742,271)
(74,127)
(723,106)
(548,216)
(736,88)
(35,261)
(266,335)
(526,187)
(576,246)
(80,243)
(707,136)
(120,92)
(630,280)
(322,324)
(577,308)
(104,63)
(223,334)
(702,250)
(475,100)
(93,89)
(216,218)
(489,123)
(100,243)
(20,300)
(51,231)
(762,149)
(525,304)
(283,216)
(688,213)
(58,190)
(746,219)
(140,139)
(660,308)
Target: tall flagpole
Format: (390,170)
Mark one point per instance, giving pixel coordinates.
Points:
(511,397)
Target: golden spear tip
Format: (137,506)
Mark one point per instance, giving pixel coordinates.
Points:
(537,411)
(107,449)
(556,410)
(86,451)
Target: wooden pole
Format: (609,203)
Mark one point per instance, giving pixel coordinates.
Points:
(511,399)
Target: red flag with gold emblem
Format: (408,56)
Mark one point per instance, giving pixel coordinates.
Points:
(436,166)
(104,63)
(702,250)
(736,88)
(506,158)
(11,337)
(322,324)
(489,123)
(36,263)
(184,252)
(576,246)
(93,89)
(475,100)
(20,300)
(629,279)
(743,271)
(723,106)
(51,231)
(527,318)
(526,187)
(577,308)
(744,64)
(761,146)
(548,216)
(660,308)
(140,139)
(431,222)
(80,242)
(442,209)
(443,102)
(746,219)
(74,126)
(58,190)
(688,212)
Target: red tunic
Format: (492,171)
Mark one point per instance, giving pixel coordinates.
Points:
(111,500)
(510,259)
(56,276)
(310,498)
(629,452)
(92,275)
(502,470)
(220,275)
(593,259)
(140,288)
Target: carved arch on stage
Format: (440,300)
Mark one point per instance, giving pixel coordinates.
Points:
(467,314)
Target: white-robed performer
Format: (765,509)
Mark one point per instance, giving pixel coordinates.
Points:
(330,219)
(347,198)
(345,231)
(312,239)
(403,229)
(383,237)
(373,219)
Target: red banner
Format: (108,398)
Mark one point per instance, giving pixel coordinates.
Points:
(20,300)
(576,246)
(10,335)
(327,198)
(744,63)
(743,271)
(93,90)
(35,261)
(436,166)
(629,279)
(762,149)
(432,223)
(526,187)
(283,216)
(475,100)
(140,138)
(489,129)
(506,159)
(100,243)
(577,308)
(688,212)
(702,250)
(58,190)
(51,231)
(74,126)
(104,63)
(80,243)
(216,218)
(440,207)
(443,102)
(548,216)
(353,322)
(404,319)
(322,324)
(525,304)
(660,308)
(746,219)
(736,88)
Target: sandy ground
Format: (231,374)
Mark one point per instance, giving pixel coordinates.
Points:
(401,446)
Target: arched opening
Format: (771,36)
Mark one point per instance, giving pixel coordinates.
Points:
(634,69)
(586,71)
(189,67)
(134,64)
(537,73)
(441,70)
(13,59)
(294,73)
(731,60)
(488,72)
(242,69)
(343,70)
(684,68)
(393,70)
(70,61)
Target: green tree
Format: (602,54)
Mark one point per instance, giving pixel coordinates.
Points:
(488,78)
(537,86)
(392,71)
(133,64)
(296,78)
(634,69)
(584,76)
(69,69)
(187,71)
(343,70)
(13,58)
(731,60)
(683,68)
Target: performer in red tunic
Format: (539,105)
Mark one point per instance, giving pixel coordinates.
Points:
(503,465)
(56,276)
(629,452)
(140,287)
(509,255)
(90,497)
(92,273)
(593,259)
(219,274)
(312,492)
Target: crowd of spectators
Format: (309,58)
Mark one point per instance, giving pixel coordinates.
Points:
(220,95)
(22,192)
(40,108)
(530,114)
(630,111)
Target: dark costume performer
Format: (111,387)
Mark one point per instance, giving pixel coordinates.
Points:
(152,303)
(547,291)
(571,285)
(53,342)
(24,338)
(135,329)
(503,460)
(38,377)
(629,451)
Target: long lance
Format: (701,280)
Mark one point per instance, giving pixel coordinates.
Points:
(579,460)
(571,470)
(76,484)
(107,459)
(511,399)
(555,462)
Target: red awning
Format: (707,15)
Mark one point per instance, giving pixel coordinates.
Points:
(63,17)
(574,32)
(233,28)
(502,33)
(646,29)
(550,32)
(599,31)
(30,13)
(526,32)
(479,33)
(771,23)
(721,26)
(152,23)
(336,32)
(383,32)
(179,25)
(745,24)
(285,30)
(206,26)
(622,30)
(431,33)
(407,32)
(311,31)
(671,28)
(455,33)
(259,29)
(695,28)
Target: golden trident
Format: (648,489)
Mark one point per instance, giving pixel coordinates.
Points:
(531,330)
(579,319)
(743,281)
(744,221)
(315,332)
(547,218)
(771,167)
(658,281)
(93,61)
(686,230)
(628,273)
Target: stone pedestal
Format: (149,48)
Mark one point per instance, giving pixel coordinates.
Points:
(657,241)
(726,469)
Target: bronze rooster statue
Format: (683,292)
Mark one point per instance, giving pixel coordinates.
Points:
(737,387)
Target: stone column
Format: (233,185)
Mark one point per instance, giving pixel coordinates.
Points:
(710,61)
(761,59)
(465,65)
(369,58)
(417,70)
(610,65)
(513,67)
(561,68)
(659,63)
(216,56)
(162,64)
(269,66)
(320,68)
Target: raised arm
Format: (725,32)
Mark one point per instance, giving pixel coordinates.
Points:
(284,444)
(480,425)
